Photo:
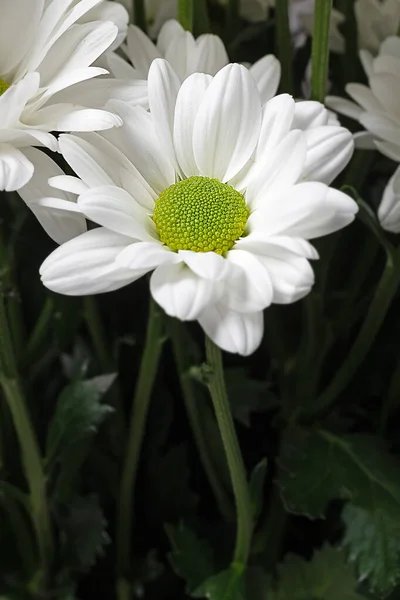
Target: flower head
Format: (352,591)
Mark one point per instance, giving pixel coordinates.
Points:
(46,52)
(389,208)
(214,192)
(187,55)
(376,106)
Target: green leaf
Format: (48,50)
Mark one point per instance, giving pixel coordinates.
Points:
(78,415)
(256,485)
(373,541)
(326,577)
(319,466)
(191,558)
(83,532)
(227,585)
(247,395)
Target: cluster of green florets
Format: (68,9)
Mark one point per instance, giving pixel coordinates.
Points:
(200,214)
(3,86)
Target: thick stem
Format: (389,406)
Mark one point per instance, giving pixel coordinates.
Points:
(320,49)
(233,455)
(283,45)
(380,304)
(29,447)
(139,14)
(185,14)
(97,334)
(140,406)
(195,419)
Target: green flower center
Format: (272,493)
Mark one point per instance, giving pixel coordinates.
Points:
(3,86)
(200,214)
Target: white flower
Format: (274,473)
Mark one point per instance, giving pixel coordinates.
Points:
(109,11)
(376,21)
(46,55)
(389,208)
(215,193)
(157,12)
(377,105)
(187,55)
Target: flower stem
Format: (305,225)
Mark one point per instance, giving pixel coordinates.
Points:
(39,333)
(233,454)
(283,43)
(29,447)
(185,14)
(195,418)
(380,304)
(97,334)
(139,14)
(140,406)
(320,49)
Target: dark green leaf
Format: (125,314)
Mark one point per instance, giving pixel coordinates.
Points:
(257,481)
(247,395)
(227,585)
(77,416)
(191,558)
(325,577)
(319,466)
(83,532)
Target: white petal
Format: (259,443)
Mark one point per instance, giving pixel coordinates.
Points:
(60,225)
(309,114)
(267,74)
(168,31)
(389,208)
(189,99)
(13,101)
(234,332)
(141,50)
(364,140)
(97,92)
(389,149)
(228,123)
(163,86)
(15,169)
(211,54)
(257,242)
(363,96)
(276,123)
(180,292)
(251,289)
(344,107)
(382,126)
(329,149)
(86,265)
(181,54)
(18,17)
(66,117)
(114,208)
(68,183)
(206,264)
(146,255)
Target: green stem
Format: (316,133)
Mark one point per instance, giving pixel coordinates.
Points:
(283,45)
(29,447)
(320,49)
(233,455)
(381,301)
(185,14)
(97,333)
(195,418)
(139,14)
(140,406)
(39,333)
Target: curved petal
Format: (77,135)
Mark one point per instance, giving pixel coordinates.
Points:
(234,332)
(180,292)
(181,54)
(168,31)
(309,114)
(228,123)
(206,264)
(60,225)
(146,255)
(344,107)
(211,54)
(250,287)
(15,168)
(141,50)
(13,100)
(267,74)
(329,149)
(389,208)
(86,265)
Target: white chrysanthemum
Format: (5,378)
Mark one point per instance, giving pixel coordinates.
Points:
(215,193)
(46,53)
(377,105)
(376,21)
(389,208)
(187,55)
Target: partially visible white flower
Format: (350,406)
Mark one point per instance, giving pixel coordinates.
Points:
(187,55)
(377,105)
(110,11)
(215,193)
(157,13)
(389,208)
(45,67)
(376,21)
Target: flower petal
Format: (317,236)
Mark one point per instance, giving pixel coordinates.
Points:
(267,74)
(329,149)
(234,332)
(180,292)
(86,265)
(206,264)
(15,168)
(228,123)
(146,255)
(250,288)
